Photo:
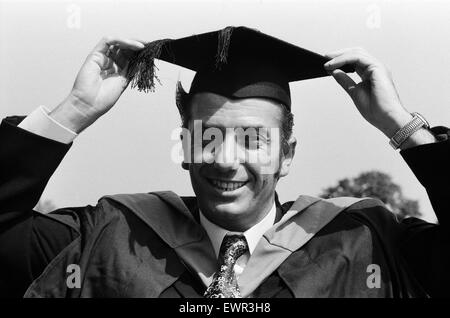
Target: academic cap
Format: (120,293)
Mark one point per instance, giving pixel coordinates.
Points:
(235,62)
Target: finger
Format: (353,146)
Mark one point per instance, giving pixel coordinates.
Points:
(355,59)
(104,62)
(110,71)
(109,62)
(106,42)
(345,81)
(333,54)
(112,51)
(126,44)
(123,60)
(336,53)
(123,57)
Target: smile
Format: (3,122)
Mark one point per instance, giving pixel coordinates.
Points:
(226,185)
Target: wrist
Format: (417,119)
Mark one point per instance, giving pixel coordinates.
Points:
(69,114)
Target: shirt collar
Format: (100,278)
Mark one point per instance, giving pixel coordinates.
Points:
(252,235)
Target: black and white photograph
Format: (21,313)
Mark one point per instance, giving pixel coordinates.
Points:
(224,149)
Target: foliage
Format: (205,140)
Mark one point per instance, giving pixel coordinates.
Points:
(378,185)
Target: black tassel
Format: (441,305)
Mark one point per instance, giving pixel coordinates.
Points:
(223,46)
(141,71)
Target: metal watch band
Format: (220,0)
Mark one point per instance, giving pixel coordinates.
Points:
(417,122)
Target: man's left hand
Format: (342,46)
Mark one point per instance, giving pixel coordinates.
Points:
(375,96)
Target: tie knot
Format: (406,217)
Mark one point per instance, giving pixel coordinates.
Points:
(233,247)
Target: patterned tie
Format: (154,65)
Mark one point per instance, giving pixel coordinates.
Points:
(224,284)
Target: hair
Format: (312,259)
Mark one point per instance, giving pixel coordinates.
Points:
(183,100)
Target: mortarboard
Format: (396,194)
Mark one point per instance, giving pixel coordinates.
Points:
(235,62)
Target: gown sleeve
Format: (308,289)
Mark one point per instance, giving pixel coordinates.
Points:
(29,240)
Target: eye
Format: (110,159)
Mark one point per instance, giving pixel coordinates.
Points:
(251,142)
(212,137)
(206,141)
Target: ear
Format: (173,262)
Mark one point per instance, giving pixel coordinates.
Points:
(185,138)
(287,157)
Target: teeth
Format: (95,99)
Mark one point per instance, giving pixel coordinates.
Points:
(227,186)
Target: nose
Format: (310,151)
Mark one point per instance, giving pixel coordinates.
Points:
(227,154)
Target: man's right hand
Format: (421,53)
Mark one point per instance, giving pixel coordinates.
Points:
(99,84)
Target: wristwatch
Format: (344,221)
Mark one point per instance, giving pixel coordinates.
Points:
(417,122)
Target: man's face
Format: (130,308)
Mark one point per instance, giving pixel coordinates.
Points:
(234,186)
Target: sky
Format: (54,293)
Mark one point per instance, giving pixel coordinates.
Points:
(43,44)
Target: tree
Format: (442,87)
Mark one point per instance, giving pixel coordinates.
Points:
(378,185)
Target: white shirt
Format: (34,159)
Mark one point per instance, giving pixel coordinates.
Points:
(252,235)
(40,123)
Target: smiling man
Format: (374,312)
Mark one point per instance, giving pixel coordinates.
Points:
(234,238)
(233,190)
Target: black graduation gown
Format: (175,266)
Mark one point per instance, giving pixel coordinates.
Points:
(29,241)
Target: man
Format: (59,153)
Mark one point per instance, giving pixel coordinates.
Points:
(234,239)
